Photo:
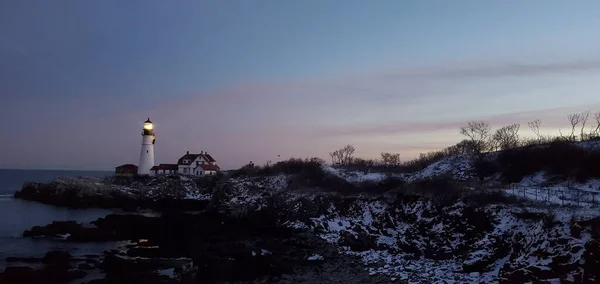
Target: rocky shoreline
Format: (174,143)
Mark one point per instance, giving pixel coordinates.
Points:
(267,229)
(130,194)
(207,247)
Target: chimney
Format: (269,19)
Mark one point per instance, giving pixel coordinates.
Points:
(187,152)
(201,152)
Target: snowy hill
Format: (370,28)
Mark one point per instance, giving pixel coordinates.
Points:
(417,239)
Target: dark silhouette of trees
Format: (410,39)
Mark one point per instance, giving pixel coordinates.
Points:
(390,159)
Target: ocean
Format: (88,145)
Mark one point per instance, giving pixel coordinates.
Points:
(17,216)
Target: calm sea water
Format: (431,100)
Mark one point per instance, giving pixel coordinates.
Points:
(18,215)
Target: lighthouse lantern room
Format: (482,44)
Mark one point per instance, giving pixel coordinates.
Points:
(147,153)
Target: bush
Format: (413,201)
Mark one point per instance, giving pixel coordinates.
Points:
(560,158)
(311,167)
(484,168)
(443,189)
(385,185)
(296,166)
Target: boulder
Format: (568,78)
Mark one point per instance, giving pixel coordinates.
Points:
(361,242)
(591,255)
(56,257)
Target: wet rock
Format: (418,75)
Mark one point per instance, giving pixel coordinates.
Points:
(123,270)
(56,270)
(56,257)
(54,229)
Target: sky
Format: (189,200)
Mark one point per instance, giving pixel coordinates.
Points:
(251,80)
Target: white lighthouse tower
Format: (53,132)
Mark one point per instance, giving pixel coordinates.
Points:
(147,154)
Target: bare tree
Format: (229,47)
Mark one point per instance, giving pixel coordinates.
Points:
(343,156)
(478,132)
(584,116)
(595,131)
(348,152)
(507,137)
(574,119)
(390,159)
(362,164)
(465,146)
(337,157)
(535,127)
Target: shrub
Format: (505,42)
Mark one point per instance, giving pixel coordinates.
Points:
(437,186)
(385,185)
(484,168)
(560,158)
(295,166)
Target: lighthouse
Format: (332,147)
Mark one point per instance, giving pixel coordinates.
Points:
(147,154)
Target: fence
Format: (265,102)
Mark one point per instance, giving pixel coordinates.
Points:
(563,195)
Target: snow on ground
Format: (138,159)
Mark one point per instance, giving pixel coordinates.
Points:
(354,176)
(456,166)
(538,188)
(254,191)
(425,227)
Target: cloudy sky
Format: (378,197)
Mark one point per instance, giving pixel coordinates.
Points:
(250,80)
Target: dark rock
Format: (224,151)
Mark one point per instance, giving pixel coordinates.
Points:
(53,272)
(18,274)
(515,276)
(54,229)
(23,259)
(591,255)
(88,192)
(122,270)
(361,242)
(85,266)
(56,257)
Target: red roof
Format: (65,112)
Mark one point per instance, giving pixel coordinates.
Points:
(165,167)
(210,167)
(189,157)
(127,166)
(208,157)
(126,169)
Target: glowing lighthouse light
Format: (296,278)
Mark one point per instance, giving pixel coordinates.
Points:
(147,153)
(148,125)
